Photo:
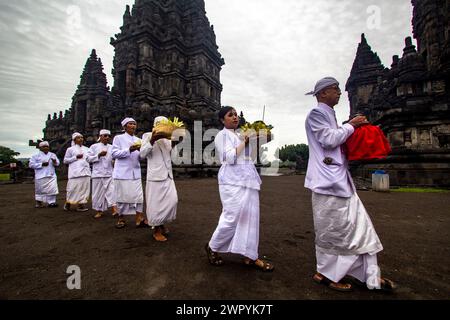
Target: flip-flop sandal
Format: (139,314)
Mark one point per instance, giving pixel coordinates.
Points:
(332,285)
(120,225)
(266,267)
(387,285)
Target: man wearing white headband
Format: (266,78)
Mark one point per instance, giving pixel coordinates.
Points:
(346,241)
(100,156)
(127,175)
(160,192)
(46,184)
(79,184)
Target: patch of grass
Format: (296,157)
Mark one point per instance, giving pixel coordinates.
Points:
(421,190)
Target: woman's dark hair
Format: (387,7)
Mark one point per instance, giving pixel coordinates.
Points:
(223,112)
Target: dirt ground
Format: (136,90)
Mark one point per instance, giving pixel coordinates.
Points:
(37,246)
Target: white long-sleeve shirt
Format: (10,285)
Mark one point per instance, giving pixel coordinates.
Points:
(325,138)
(127,165)
(102,167)
(40,171)
(77,167)
(159,160)
(235,170)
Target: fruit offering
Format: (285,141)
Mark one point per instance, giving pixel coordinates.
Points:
(165,128)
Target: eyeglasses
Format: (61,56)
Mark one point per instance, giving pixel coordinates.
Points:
(335,88)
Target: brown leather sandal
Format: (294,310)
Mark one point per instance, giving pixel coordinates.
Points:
(213,257)
(387,285)
(158,235)
(121,224)
(98,215)
(263,265)
(341,287)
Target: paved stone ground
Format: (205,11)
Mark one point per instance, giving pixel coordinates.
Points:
(37,246)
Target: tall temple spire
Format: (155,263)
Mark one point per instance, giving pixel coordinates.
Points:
(93,75)
(367,65)
(166,55)
(366,70)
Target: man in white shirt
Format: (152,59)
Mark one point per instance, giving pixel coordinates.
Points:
(100,156)
(127,175)
(79,184)
(346,241)
(161,194)
(46,184)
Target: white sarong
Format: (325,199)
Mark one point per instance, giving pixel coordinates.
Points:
(346,241)
(103,195)
(46,189)
(129,196)
(78,190)
(238,229)
(343,227)
(162,200)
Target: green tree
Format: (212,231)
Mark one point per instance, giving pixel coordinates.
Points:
(292,152)
(7,155)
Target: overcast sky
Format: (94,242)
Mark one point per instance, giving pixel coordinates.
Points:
(274,50)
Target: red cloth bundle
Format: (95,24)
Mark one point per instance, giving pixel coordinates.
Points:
(366,143)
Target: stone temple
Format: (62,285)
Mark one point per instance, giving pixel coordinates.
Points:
(410,100)
(166,63)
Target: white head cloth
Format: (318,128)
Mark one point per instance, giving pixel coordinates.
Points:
(44,144)
(126,120)
(322,84)
(159,119)
(102,132)
(74,136)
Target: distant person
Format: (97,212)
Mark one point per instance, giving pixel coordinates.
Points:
(346,241)
(79,184)
(46,184)
(127,175)
(161,194)
(239,185)
(103,194)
